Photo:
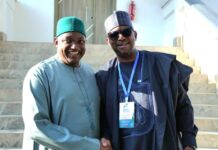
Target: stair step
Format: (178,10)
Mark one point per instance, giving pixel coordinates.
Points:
(194,87)
(11,83)
(49,48)
(26,47)
(12,73)
(203,110)
(207,124)
(25,65)
(202,88)
(204,98)
(196,69)
(198,78)
(6,137)
(21,57)
(10,95)
(11,139)
(20,73)
(11,122)
(17,64)
(10,108)
(102,52)
(17,57)
(170,50)
(207,139)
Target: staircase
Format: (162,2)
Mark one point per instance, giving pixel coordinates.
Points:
(16,58)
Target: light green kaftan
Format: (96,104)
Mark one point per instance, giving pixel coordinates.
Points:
(60,107)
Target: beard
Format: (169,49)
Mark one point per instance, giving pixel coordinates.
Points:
(125,56)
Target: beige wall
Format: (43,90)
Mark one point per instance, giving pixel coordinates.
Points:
(92,12)
(105,8)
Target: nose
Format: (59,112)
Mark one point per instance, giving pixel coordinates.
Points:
(120,36)
(73,45)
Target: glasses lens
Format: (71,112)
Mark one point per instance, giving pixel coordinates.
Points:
(126,32)
(114,35)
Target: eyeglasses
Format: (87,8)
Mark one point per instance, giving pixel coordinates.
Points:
(115,35)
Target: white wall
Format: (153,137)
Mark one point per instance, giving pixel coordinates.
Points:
(3,13)
(7,18)
(201,40)
(212,4)
(1,16)
(28,20)
(169,23)
(150,30)
(33,21)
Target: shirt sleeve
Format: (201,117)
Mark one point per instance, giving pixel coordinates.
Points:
(184,109)
(100,76)
(36,111)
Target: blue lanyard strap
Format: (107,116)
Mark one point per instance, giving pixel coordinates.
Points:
(127,92)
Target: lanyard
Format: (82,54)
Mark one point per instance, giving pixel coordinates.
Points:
(126,92)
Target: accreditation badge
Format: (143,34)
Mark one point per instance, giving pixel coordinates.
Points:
(126,115)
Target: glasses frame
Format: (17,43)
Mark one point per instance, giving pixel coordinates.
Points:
(127,32)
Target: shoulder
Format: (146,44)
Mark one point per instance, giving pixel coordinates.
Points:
(41,67)
(167,64)
(109,69)
(159,56)
(109,66)
(158,60)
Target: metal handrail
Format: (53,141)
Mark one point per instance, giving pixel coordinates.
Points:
(92,33)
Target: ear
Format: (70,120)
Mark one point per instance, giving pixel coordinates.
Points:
(107,40)
(56,41)
(135,34)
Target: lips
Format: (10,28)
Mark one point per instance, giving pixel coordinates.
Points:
(122,45)
(73,52)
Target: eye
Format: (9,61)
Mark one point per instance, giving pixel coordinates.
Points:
(81,42)
(126,32)
(67,41)
(113,35)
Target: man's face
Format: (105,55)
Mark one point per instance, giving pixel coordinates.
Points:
(122,41)
(71,47)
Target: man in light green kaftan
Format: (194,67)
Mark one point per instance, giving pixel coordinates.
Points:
(60,96)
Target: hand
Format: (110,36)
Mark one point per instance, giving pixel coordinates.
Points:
(188,148)
(105,144)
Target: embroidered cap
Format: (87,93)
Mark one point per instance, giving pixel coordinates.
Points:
(118,18)
(70,24)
